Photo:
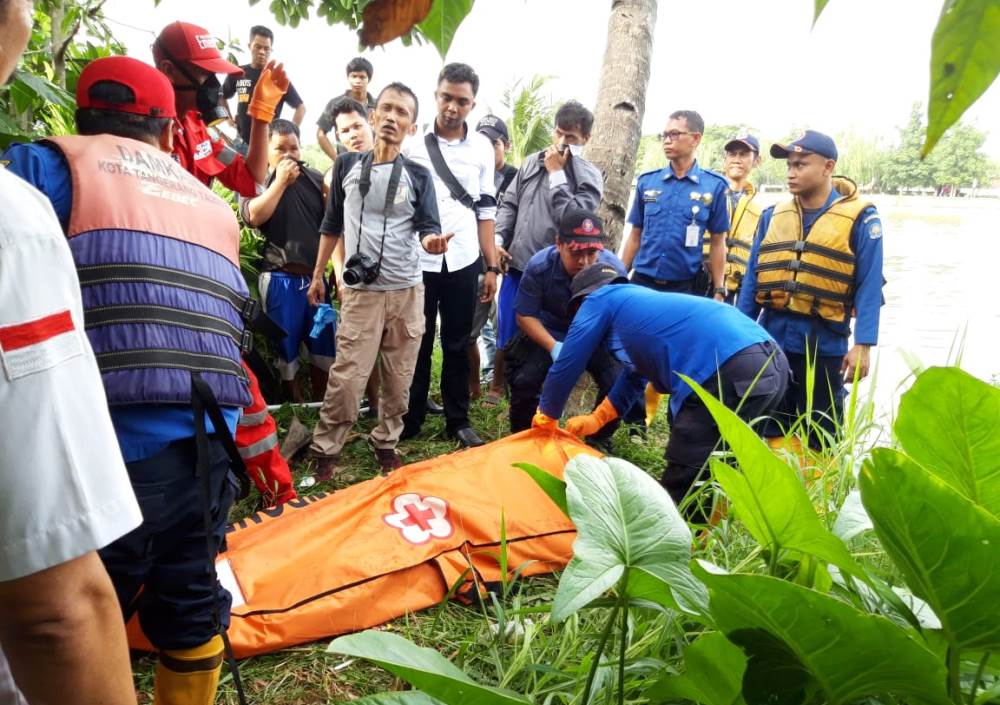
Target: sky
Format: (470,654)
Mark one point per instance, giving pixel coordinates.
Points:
(759,63)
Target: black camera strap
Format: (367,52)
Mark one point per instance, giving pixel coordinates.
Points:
(365,185)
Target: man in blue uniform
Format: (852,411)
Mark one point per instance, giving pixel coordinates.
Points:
(816,259)
(541,308)
(657,336)
(674,208)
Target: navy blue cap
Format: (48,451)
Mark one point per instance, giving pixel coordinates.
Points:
(746,140)
(811,142)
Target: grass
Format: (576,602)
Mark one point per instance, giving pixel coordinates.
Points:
(507,639)
(469,635)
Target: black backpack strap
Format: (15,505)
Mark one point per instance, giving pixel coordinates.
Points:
(441,167)
(202,402)
(508,176)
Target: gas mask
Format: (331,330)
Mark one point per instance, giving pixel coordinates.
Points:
(207,97)
(208,94)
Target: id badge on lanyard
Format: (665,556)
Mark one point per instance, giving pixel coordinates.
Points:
(692,235)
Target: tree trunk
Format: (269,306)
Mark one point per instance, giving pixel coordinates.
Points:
(621,103)
(58,42)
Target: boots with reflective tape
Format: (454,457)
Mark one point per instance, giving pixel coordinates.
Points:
(188,676)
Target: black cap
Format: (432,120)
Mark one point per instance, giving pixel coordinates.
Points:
(592,278)
(809,142)
(581,229)
(494,128)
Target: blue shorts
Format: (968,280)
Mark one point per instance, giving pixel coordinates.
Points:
(506,317)
(283,296)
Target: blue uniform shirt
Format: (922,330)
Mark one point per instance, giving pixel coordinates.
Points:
(655,335)
(142,430)
(793,331)
(544,290)
(663,209)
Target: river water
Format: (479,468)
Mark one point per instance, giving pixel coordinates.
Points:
(942,292)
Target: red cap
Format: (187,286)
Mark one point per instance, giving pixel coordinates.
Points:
(182,41)
(154,96)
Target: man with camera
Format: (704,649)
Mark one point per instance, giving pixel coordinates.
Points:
(463,165)
(547,185)
(382,205)
(288,215)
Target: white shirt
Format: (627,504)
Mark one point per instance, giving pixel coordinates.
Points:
(65,489)
(471,161)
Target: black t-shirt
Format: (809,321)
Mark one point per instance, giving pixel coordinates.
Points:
(292,232)
(242,87)
(325,121)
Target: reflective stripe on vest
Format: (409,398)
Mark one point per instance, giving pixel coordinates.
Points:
(158,258)
(814,275)
(253,419)
(262,446)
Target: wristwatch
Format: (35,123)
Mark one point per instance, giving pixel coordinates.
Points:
(495,270)
(720,291)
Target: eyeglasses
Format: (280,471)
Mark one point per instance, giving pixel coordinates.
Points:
(674,135)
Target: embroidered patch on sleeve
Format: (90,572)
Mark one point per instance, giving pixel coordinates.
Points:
(38,345)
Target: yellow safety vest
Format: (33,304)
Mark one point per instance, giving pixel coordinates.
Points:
(811,275)
(742,227)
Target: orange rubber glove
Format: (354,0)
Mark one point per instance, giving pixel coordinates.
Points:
(653,398)
(540,420)
(270,89)
(583,426)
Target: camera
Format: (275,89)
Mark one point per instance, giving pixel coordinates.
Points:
(360,269)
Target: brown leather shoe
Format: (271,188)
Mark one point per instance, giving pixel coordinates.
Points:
(387,458)
(326,467)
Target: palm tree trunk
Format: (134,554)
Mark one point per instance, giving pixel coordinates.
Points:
(621,103)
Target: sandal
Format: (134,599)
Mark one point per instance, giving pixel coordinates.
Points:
(492,399)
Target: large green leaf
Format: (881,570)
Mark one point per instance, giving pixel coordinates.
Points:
(405,697)
(804,647)
(442,22)
(965,60)
(625,521)
(44,89)
(945,545)
(948,423)
(818,7)
(549,484)
(767,494)
(852,519)
(422,668)
(713,674)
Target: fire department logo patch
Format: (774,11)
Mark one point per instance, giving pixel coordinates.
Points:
(419,519)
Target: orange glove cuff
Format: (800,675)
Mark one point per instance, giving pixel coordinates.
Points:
(540,420)
(606,412)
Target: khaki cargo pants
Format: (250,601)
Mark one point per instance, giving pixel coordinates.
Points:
(390,323)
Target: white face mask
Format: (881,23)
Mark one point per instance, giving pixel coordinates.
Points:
(575,149)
